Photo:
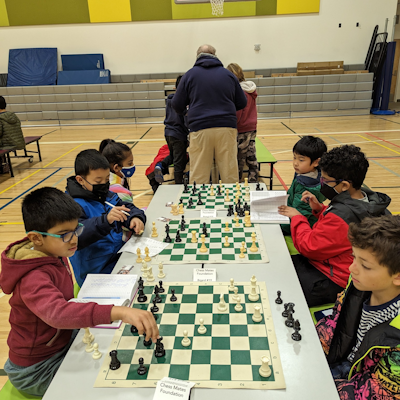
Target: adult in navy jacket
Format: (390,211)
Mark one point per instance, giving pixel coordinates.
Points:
(213,95)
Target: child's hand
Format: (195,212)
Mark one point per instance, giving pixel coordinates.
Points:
(116,214)
(136,225)
(288,211)
(142,320)
(308,197)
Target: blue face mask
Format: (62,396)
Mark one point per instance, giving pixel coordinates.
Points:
(127,172)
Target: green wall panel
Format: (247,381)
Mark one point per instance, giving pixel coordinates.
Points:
(3,13)
(151,10)
(266,7)
(44,12)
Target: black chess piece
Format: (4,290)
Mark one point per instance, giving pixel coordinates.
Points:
(181,201)
(159,350)
(178,237)
(142,370)
(239,203)
(258,186)
(204,187)
(291,307)
(194,184)
(173,297)
(285,312)
(289,321)
(185,185)
(183,227)
(161,289)
(219,191)
(246,207)
(153,312)
(278,300)
(142,298)
(241,212)
(193,191)
(141,282)
(296,335)
(115,363)
(190,203)
(199,201)
(183,219)
(156,289)
(147,343)
(230,211)
(205,233)
(134,329)
(167,238)
(158,299)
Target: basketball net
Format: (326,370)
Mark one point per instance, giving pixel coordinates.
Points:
(217,7)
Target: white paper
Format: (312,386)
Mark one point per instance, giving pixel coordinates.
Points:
(155,246)
(204,275)
(172,389)
(207,213)
(264,206)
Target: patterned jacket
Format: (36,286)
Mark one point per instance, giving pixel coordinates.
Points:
(375,373)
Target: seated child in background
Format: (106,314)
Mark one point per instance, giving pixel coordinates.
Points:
(35,270)
(246,126)
(176,135)
(325,251)
(120,158)
(306,155)
(163,160)
(361,338)
(102,237)
(10,128)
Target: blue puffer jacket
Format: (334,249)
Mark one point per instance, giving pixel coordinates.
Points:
(212,93)
(100,242)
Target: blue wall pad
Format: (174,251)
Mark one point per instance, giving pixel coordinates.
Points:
(32,67)
(83,77)
(78,62)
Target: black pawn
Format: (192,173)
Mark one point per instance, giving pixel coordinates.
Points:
(230,211)
(246,207)
(158,299)
(285,311)
(204,186)
(190,203)
(258,186)
(173,297)
(147,343)
(115,363)
(183,219)
(289,321)
(153,312)
(219,191)
(296,335)
(291,308)
(199,201)
(142,298)
(178,237)
(142,370)
(183,227)
(155,308)
(134,329)
(159,350)
(278,300)
(161,289)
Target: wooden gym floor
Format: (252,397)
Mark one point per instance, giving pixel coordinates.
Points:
(378,137)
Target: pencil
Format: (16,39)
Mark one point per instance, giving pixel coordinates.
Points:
(112,205)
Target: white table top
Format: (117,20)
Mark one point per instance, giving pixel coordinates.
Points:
(306,371)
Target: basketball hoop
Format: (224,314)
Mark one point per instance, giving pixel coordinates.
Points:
(217,7)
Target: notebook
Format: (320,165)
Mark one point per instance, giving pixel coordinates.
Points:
(264,206)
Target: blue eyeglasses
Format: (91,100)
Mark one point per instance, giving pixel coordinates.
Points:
(67,236)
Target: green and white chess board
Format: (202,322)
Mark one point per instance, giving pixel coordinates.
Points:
(187,252)
(211,202)
(228,355)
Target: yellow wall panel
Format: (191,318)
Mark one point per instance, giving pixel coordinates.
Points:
(109,11)
(3,14)
(297,7)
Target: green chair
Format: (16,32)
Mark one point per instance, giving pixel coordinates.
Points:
(264,156)
(76,289)
(289,243)
(315,309)
(10,393)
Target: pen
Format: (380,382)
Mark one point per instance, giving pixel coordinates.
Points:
(112,206)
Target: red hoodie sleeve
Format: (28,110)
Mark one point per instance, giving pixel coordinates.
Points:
(326,239)
(47,302)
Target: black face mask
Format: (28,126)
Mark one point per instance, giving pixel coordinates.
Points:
(328,191)
(101,190)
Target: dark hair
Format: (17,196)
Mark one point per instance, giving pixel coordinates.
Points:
(114,152)
(345,162)
(178,79)
(46,207)
(380,235)
(3,103)
(310,146)
(89,160)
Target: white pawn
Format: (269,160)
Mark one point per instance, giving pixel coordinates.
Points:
(144,266)
(89,347)
(161,274)
(150,276)
(86,336)
(96,355)
(265,369)
(202,329)
(232,286)
(222,305)
(257,317)
(235,297)
(238,306)
(185,341)
(253,296)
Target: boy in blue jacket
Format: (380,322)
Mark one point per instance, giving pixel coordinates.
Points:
(102,237)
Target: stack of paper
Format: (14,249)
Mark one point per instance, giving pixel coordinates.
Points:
(264,206)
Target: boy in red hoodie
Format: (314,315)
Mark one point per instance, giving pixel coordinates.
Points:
(35,270)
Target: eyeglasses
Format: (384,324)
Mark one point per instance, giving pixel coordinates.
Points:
(323,181)
(67,236)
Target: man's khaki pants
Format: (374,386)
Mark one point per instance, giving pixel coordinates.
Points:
(209,144)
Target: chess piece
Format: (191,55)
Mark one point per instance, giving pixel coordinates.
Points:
(246,182)
(173,298)
(190,203)
(185,185)
(147,343)
(142,298)
(150,276)
(203,248)
(161,289)
(244,246)
(230,210)
(289,321)
(278,300)
(158,299)
(205,229)
(253,296)
(257,317)
(167,237)
(96,355)
(226,244)
(247,219)
(227,227)
(87,337)
(161,274)
(238,306)
(241,255)
(296,335)
(134,329)
(219,193)
(222,305)
(159,350)
(89,347)
(231,287)
(235,296)
(258,186)
(253,247)
(220,183)
(285,310)
(147,251)
(185,341)
(199,201)
(178,238)
(291,308)
(236,219)
(212,191)
(194,238)
(182,227)
(265,369)
(139,259)
(227,195)
(144,269)
(253,281)
(154,230)
(142,370)
(115,363)
(181,211)
(202,329)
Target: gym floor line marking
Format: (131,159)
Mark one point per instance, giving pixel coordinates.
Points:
(280,179)
(11,223)
(15,184)
(142,194)
(28,190)
(377,137)
(144,134)
(290,129)
(96,141)
(378,144)
(64,177)
(332,133)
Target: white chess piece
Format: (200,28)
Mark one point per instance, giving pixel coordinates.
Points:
(222,305)
(89,347)
(202,329)
(86,336)
(265,370)
(253,280)
(96,355)
(150,276)
(144,266)
(238,306)
(253,296)
(257,317)
(232,286)
(185,341)
(235,297)
(161,274)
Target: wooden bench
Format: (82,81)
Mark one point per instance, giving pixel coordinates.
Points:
(29,140)
(5,151)
(264,156)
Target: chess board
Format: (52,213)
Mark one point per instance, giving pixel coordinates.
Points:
(211,202)
(187,252)
(228,355)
